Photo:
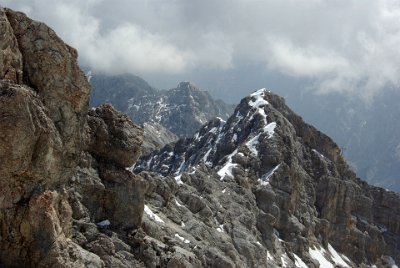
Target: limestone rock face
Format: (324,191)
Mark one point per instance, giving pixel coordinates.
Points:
(30,145)
(265,183)
(10,56)
(43,115)
(50,68)
(113,136)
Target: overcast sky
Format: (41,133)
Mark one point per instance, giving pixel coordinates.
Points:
(350,46)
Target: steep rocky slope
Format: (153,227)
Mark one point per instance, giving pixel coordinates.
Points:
(263,189)
(270,190)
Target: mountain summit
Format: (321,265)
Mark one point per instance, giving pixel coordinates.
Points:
(274,191)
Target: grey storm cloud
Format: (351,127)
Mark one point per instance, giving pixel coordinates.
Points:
(341,45)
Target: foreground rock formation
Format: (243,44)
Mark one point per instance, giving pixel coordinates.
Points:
(263,189)
(46,131)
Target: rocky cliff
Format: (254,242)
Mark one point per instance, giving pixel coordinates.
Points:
(62,168)
(263,189)
(270,190)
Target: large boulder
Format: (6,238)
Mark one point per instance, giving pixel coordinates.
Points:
(113,137)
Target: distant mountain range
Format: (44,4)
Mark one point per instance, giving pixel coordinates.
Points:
(368,134)
(177,112)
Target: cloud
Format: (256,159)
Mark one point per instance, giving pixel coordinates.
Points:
(344,45)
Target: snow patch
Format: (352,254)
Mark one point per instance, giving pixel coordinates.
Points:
(226,170)
(186,241)
(178,179)
(234,138)
(259,100)
(151,215)
(318,153)
(220,228)
(103,224)
(269,256)
(252,143)
(259,92)
(178,204)
(336,257)
(264,180)
(205,157)
(318,255)
(299,262)
(270,129)
(284,259)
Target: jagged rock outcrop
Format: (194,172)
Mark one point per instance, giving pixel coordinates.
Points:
(265,181)
(113,137)
(43,99)
(49,68)
(43,120)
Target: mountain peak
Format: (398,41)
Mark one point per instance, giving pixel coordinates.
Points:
(187,85)
(291,175)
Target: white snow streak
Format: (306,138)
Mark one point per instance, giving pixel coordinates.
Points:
(226,170)
(318,255)
(299,262)
(178,204)
(178,179)
(151,215)
(336,257)
(186,241)
(264,180)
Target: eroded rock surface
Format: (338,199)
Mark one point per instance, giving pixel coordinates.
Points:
(43,118)
(114,137)
(265,189)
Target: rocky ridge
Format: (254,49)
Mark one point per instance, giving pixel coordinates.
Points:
(265,181)
(263,189)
